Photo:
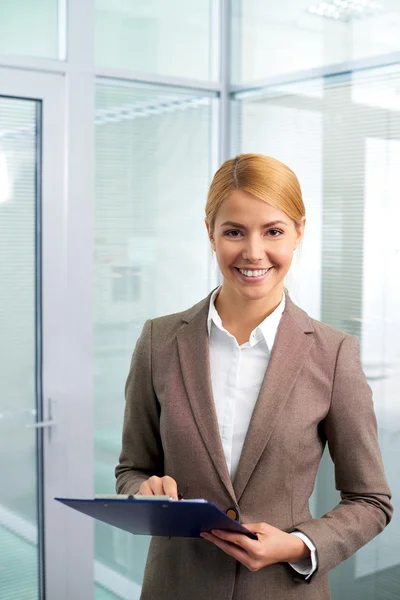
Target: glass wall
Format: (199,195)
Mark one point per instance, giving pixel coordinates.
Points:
(176,38)
(272,122)
(152,258)
(19,362)
(31,27)
(284,37)
(341,135)
(149,84)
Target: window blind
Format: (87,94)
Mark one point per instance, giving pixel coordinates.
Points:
(341,136)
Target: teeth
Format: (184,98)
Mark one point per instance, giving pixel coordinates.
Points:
(252,273)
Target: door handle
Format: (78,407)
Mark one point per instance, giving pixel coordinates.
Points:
(46,423)
(41,424)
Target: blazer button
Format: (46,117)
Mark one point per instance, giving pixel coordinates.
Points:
(232,513)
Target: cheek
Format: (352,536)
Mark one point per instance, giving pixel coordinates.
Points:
(283,254)
(225,254)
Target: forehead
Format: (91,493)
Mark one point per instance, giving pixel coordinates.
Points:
(245,208)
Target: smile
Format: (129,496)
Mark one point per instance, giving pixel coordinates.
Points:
(253,272)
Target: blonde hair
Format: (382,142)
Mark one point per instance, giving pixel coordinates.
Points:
(264,177)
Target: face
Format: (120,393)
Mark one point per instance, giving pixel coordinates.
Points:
(254,244)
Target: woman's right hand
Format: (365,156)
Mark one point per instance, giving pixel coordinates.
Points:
(159,486)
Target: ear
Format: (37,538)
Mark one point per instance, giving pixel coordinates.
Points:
(300,232)
(210,234)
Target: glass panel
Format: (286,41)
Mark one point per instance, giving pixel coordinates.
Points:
(291,131)
(152,255)
(168,38)
(18,453)
(283,37)
(341,135)
(29,28)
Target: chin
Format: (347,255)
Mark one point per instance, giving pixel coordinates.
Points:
(255,292)
(259,292)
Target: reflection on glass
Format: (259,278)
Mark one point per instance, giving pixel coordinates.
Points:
(18,502)
(343,140)
(151,258)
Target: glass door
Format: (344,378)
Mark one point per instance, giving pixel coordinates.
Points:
(21,441)
(32,442)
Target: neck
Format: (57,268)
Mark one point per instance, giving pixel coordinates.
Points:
(234,309)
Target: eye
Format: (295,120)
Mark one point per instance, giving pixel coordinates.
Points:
(274,232)
(233,233)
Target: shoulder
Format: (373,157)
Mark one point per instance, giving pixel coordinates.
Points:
(332,351)
(342,347)
(329,334)
(324,335)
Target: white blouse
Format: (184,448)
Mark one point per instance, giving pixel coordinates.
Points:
(236,376)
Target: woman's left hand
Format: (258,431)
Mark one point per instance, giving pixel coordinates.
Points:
(272,546)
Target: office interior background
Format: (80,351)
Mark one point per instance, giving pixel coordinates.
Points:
(114,115)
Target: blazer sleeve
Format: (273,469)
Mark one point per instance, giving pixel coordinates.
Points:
(141,455)
(351,432)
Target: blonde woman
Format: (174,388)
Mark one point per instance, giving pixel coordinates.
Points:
(234,399)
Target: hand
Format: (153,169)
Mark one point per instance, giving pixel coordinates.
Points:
(159,486)
(272,546)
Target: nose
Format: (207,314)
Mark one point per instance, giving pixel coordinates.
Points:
(254,250)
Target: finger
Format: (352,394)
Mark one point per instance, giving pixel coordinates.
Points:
(258,527)
(229,548)
(243,541)
(145,489)
(156,485)
(170,487)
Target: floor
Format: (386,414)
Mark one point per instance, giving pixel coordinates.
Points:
(18,570)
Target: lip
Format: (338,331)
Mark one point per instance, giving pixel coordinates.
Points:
(246,268)
(251,280)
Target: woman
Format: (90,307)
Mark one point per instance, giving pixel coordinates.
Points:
(234,399)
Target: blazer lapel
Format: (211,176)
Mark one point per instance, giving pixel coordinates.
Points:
(289,352)
(195,364)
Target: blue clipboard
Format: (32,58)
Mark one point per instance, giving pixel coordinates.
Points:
(169,518)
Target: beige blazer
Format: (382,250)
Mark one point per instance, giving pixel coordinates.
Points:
(314,391)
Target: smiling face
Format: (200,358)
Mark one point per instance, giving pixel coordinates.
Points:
(254,244)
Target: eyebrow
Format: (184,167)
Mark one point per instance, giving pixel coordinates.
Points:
(266,225)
